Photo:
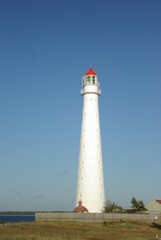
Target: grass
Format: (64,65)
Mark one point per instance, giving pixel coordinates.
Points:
(123,230)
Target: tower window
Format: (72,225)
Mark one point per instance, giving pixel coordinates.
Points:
(88,80)
(93,80)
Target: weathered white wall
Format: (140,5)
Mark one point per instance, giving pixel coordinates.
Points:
(94,217)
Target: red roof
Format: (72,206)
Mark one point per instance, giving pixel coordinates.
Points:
(80,208)
(91,72)
(159,201)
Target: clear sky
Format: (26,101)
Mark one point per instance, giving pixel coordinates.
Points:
(46,46)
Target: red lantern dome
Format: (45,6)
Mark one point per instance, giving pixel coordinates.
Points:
(91,72)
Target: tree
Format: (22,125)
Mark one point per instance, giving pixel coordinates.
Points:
(137,206)
(112,207)
(134,204)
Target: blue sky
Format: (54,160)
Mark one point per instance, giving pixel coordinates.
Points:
(45,49)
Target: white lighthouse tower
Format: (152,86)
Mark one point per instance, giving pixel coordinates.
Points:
(90,182)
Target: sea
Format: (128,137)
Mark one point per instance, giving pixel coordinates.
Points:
(16,219)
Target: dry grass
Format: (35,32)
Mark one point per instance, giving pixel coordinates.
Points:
(123,230)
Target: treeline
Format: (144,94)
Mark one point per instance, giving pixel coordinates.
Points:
(136,206)
(12,213)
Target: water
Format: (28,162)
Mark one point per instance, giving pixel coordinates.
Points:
(17,219)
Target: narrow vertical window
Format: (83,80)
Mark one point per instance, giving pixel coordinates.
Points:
(93,80)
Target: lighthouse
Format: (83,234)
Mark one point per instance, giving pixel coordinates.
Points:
(90,182)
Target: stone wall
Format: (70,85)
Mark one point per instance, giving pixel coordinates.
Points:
(93,217)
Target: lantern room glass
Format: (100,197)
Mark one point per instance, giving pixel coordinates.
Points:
(90,80)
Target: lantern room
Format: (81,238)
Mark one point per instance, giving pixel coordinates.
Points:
(90,83)
(90,78)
